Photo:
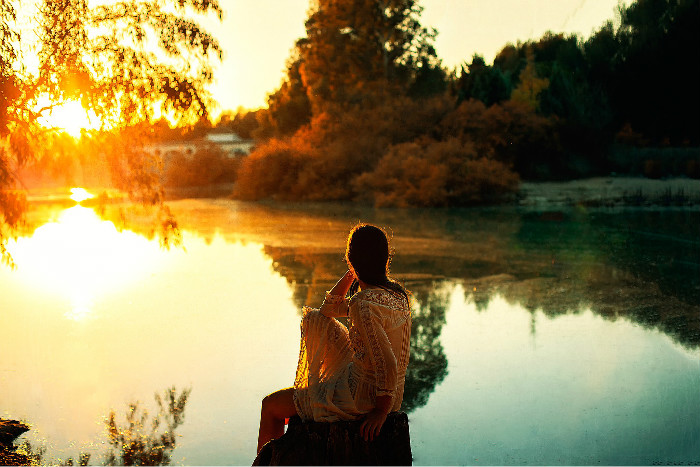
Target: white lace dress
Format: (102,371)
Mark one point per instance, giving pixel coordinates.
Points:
(341,371)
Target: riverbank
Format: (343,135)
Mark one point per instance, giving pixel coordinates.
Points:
(611,192)
(589,192)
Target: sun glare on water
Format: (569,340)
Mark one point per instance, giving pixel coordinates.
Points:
(81,257)
(80,194)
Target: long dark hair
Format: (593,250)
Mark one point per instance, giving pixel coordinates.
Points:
(368,254)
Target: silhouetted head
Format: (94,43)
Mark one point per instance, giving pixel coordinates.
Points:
(367,254)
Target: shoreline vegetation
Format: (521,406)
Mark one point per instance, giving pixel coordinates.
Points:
(611,192)
(384,123)
(358,119)
(594,192)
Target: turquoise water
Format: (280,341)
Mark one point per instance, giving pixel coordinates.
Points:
(540,337)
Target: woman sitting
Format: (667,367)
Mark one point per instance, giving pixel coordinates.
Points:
(356,372)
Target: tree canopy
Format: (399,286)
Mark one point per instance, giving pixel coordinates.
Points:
(356,51)
(127,62)
(363,113)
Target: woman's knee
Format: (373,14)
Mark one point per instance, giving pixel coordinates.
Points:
(279,404)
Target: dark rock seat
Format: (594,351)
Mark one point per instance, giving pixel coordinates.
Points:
(339,443)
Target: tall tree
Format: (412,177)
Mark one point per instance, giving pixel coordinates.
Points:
(125,61)
(356,50)
(288,107)
(657,69)
(531,84)
(480,81)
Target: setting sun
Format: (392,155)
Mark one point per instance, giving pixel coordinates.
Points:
(71,118)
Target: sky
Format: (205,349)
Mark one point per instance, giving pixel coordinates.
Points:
(257,36)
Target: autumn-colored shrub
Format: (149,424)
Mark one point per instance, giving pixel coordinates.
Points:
(321,159)
(208,165)
(511,132)
(436,173)
(272,171)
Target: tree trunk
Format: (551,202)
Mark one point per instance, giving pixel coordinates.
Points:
(339,443)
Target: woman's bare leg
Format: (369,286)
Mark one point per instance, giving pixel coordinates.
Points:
(276,407)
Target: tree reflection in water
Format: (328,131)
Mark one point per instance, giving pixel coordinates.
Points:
(147,442)
(308,272)
(428,363)
(642,266)
(558,263)
(636,265)
(143,440)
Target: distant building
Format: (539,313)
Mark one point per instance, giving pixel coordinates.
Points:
(230,143)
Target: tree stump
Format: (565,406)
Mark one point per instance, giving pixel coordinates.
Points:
(9,431)
(339,443)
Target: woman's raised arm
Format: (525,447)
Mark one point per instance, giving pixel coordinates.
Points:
(335,304)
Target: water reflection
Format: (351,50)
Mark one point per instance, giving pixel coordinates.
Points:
(81,257)
(145,440)
(638,264)
(503,300)
(309,273)
(428,362)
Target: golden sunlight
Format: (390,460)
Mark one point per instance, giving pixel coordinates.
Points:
(71,117)
(81,257)
(80,194)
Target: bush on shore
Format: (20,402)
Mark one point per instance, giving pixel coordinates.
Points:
(207,166)
(403,152)
(436,173)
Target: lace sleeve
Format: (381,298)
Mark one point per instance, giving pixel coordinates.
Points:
(379,349)
(334,306)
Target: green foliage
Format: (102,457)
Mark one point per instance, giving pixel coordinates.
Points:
(142,440)
(482,82)
(272,171)
(394,161)
(245,123)
(512,133)
(349,123)
(31,454)
(658,45)
(530,85)
(288,108)
(510,60)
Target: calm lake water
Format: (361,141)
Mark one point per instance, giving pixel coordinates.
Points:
(561,336)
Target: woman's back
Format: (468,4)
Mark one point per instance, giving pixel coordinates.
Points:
(380,334)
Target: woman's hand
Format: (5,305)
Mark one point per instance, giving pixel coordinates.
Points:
(372,424)
(348,278)
(332,308)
